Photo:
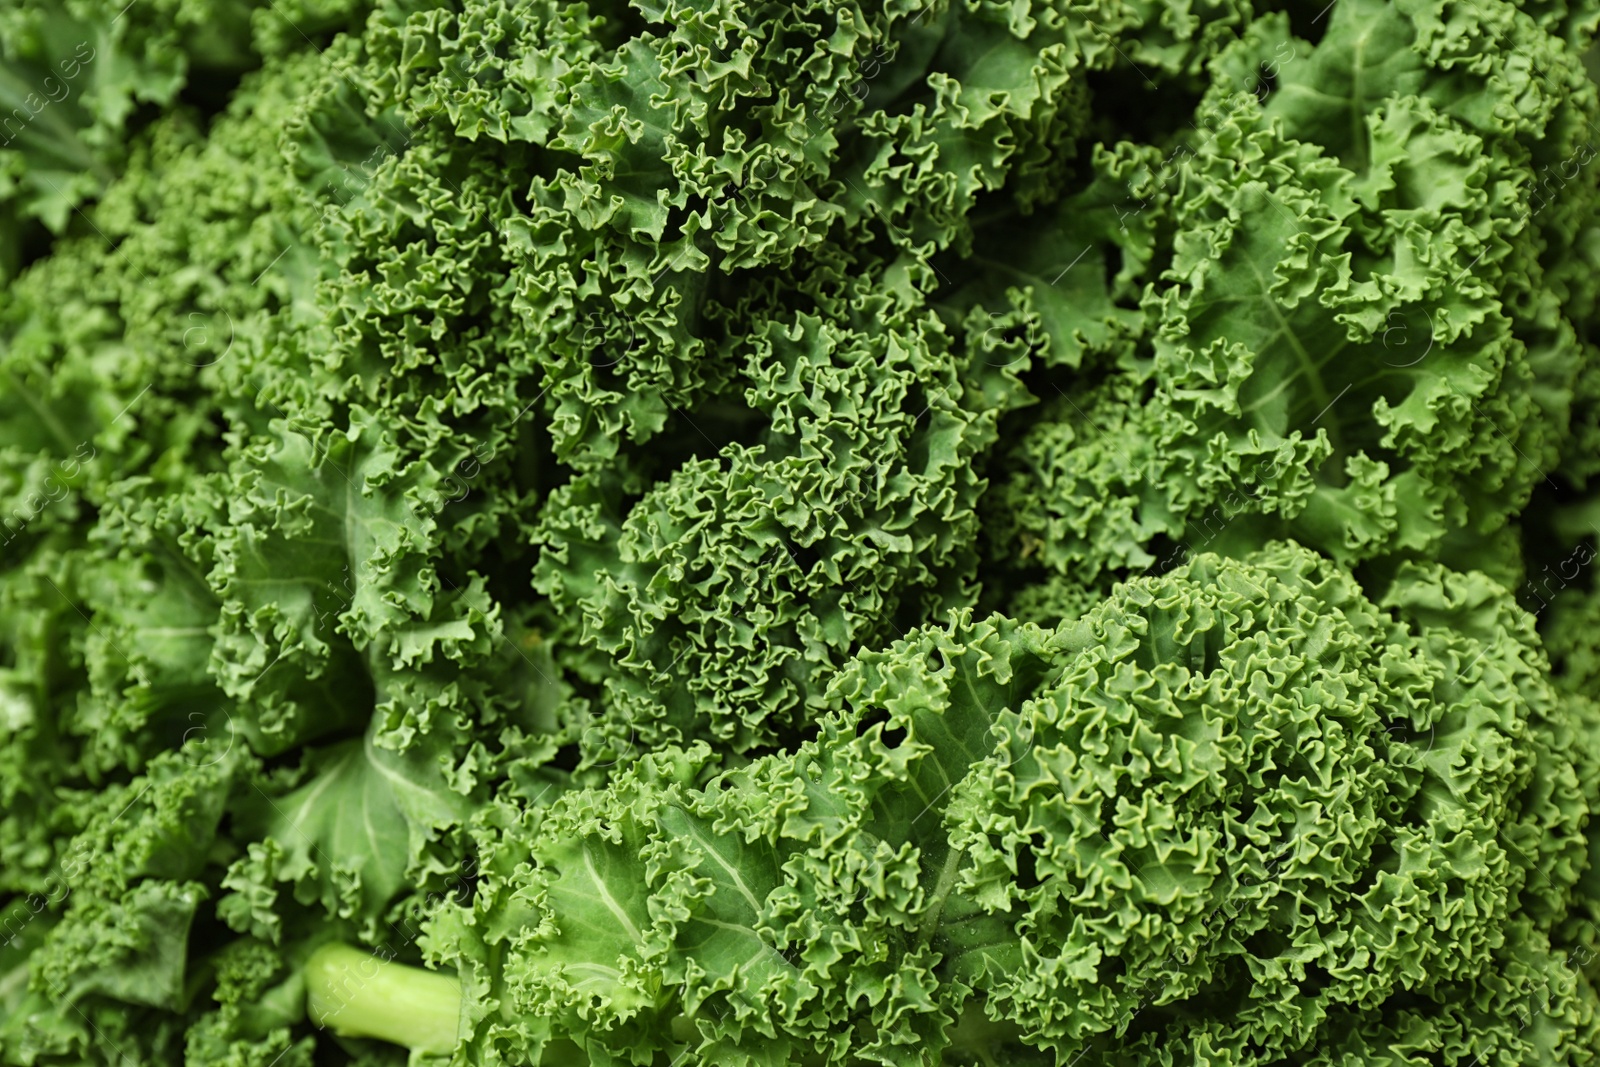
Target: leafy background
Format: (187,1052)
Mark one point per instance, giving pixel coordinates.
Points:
(412,414)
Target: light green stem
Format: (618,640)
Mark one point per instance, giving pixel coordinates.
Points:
(357,994)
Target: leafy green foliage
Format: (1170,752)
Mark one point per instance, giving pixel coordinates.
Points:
(687,516)
(1239,810)
(76,74)
(1355,341)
